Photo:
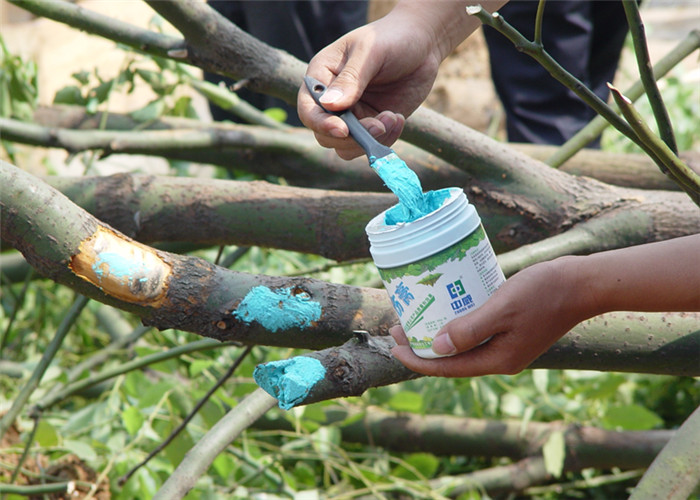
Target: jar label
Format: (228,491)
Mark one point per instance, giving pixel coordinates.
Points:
(429,293)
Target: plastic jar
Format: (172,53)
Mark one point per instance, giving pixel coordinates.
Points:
(436,268)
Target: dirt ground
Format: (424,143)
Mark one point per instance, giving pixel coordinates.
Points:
(463,90)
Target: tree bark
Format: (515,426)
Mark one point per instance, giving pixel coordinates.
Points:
(675,474)
(522,203)
(627,170)
(66,244)
(449,435)
(217,212)
(69,246)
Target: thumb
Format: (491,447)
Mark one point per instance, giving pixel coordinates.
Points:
(466,332)
(347,88)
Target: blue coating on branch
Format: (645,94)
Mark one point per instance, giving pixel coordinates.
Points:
(289,380)
(278,309)
(119,266)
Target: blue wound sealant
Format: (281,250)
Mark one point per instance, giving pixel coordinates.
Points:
(413,203)
(120,267)
(278,309)
(289,380)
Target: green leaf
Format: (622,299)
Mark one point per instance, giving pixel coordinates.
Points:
(541,380)
(46,434)
(80,448)
(425,464)
(224,465)
(69,95)
(83,77)
(554,452)
(133,420)
(91,106)
(406,401)
(199,365)
(153,393)
(152,111)
(631,418)
(277,114)
(175,451)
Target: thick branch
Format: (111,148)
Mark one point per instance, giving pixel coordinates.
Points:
(296,155)
(66,244)
(675,474)
(666,344)
(98,24)
(525,204)
(473,437)
(217,212)
(215,44)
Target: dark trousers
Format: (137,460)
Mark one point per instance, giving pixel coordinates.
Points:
(583,36)
(300,27)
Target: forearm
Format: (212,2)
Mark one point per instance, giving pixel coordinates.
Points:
(663,276)
(447,20)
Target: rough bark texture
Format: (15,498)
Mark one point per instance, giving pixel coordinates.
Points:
(66,244)
(628,170)
(664,344)
(206,211)
(473,437)
(521,200)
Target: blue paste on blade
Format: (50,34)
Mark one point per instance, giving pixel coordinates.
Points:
(289,380)
(413,203)
(278,309)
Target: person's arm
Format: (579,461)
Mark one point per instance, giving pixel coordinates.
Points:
(384,70)
(538,305)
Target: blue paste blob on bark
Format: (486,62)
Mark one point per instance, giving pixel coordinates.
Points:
(120,267)
(413,203)
(289,380)
(278,309)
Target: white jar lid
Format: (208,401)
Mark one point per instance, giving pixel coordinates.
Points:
(404,243)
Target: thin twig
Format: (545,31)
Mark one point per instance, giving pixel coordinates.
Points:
(188,418)
(537,52)
(595,127)
(646,73)
(98,24)
(593,482)
(27,446)
(17,306)
(51,350)
(538,22)
(199,458)
(684,175)
(52,398)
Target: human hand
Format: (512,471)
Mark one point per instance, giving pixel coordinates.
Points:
(525,316)
(383,70)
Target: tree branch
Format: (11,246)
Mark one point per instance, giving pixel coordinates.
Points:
(664,344)
(220,212)
(446,435)
(641,51)
(669,162)
(71,247)
(216,45)
(98,24)
(596,126)
(199,458)
(675,474)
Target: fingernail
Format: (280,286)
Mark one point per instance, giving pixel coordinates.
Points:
(331,96)
(336,132)
(442,344)
(375,130)
(389,121)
